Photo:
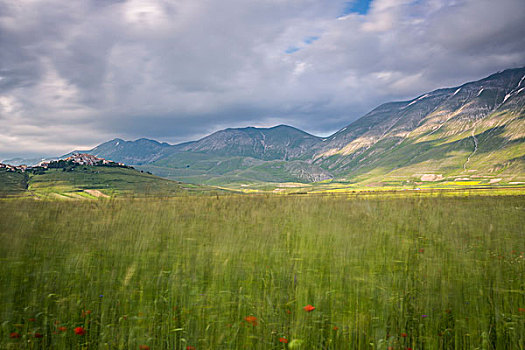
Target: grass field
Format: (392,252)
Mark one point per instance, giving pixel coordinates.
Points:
(236,272)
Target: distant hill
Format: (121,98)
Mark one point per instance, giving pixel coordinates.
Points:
(231,155)
(129,152)
(280,142)
(473,130)
(92,181)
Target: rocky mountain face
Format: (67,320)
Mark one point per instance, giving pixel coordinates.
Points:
(280,142)
(477,129)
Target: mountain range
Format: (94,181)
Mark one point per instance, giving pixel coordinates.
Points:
(468,131)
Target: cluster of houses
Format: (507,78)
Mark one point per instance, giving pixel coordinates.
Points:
(9,167)
(81,159)
(75,159)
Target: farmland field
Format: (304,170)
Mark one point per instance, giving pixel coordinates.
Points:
(263,272)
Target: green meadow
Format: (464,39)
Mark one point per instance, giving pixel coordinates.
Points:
(237,271)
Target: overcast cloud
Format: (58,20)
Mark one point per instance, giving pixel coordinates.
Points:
(74,74)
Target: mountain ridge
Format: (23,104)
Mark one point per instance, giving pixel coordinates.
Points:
(457,131)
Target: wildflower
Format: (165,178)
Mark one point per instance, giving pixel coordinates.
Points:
(32,319)
(189,347)
(85,313)
(521,309)
(421,250)
(39,335)
(404,335)
(288,312)
(62,329)
(14,335)
(336,328)
(251,320)
(143,347)
(80,331)
(283,340)
(309,308)
(424,316)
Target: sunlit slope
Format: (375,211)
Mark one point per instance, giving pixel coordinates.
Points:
(477,129)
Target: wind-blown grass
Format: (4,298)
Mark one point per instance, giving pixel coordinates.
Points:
(236,272)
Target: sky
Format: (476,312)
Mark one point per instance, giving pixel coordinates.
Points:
(74,74)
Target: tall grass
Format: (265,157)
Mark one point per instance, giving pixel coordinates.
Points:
(236,273)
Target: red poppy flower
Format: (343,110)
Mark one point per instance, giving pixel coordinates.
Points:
(336,328)
(521,309)
(190,347)
(404,335)
(32,319)
(14,335)
(421,250)
(309,308)
(283,340)
(39,335)
(288,312)
(62,329)
(80,331)
(143,347)
(251,320)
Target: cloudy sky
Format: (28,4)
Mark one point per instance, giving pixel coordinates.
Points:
(74,74)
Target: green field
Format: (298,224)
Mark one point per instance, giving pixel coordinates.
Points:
(235,272)
(12,183)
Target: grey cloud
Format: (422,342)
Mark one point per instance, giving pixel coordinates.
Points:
(178,70)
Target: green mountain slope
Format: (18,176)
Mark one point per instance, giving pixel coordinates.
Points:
(202,168)
(12,183)
(93,181)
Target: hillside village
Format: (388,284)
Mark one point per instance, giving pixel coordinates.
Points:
(75,159)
